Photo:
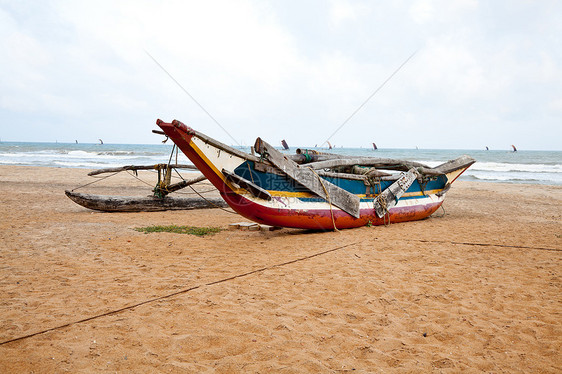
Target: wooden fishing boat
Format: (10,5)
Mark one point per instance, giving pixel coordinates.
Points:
(313,190)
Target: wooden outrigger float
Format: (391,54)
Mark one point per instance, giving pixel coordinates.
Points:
(158,201)
(312,190)
(106,203)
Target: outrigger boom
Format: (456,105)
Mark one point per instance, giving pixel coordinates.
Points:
(316,191)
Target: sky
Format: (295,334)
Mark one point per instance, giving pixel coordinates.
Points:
(483,73)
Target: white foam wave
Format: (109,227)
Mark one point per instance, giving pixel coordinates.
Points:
(85,164)
(505,167)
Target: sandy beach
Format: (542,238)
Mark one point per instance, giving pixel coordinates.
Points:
(476,289)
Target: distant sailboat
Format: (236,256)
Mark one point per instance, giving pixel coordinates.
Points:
(374,147)
(514,149)
(329,145)
(101,141)
(487,148)
(284,144)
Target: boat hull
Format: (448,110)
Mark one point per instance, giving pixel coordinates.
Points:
(292,205)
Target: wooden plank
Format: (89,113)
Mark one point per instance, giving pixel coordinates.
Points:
(389,197)
(252,226)
(302,158)
(380,163)
(341,198)
(449,166)
(140,167)
(253,188)
(269,228)
(166,189)
(248,226)
(214,143)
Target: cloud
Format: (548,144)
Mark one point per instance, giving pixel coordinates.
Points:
(295,70)
(441,11)
(345,11)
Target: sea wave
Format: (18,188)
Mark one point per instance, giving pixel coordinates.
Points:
(85,164)
(542,167)
(508,167)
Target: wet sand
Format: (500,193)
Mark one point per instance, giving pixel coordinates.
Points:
(477,289)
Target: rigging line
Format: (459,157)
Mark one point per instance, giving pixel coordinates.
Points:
(369,98)
(483,244)
(178,293)
(96,181)
(203,197)
(210,202)
(191,97)
(134,176)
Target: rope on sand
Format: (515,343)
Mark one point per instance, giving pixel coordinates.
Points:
(116,311)
(483,244)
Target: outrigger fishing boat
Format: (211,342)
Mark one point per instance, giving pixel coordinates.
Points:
(313,190)
(159,199)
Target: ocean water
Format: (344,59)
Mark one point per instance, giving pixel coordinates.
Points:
(538,167)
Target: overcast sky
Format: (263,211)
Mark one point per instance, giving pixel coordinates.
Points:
(486,73)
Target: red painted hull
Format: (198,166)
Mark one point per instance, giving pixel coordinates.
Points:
(322,219)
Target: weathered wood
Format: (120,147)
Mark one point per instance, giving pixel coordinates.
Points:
(331,174)
(268,168)
(380,163)
(449,166)
(326,155)
(253,188)
(141,204)
(302,158)
(140,167)
(165,189)
(211,141)
(389,197)
(370,172)
(308,178)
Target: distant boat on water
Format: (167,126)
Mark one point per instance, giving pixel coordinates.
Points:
(284,144)
(514,149)
(375,147)
(101,141)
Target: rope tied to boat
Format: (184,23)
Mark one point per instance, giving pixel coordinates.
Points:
(373,183)
(203,197)
(382,202)
(328,198)
(96,181)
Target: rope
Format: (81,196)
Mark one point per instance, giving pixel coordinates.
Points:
(203,197)
(444,213)
(328,196)
(177,192)
(180,292)
(211,203)
(96,181)
(136,177)
(193,193)
(250,170)
(384,206)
